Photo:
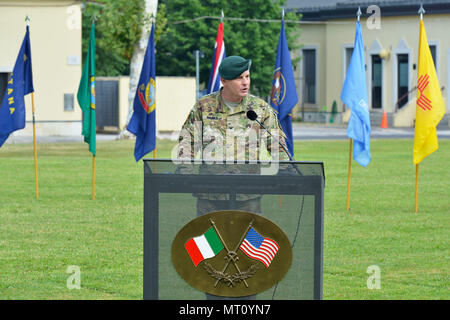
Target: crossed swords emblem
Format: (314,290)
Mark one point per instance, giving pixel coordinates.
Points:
(231,257)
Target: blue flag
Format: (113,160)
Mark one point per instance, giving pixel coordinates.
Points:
(354,95)
(143,121)
(20,83)
(283,96)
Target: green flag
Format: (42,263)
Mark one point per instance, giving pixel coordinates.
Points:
(86,94)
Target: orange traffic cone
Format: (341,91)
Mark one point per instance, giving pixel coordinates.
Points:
(384,122)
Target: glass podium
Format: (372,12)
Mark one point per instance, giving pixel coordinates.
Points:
(290,194)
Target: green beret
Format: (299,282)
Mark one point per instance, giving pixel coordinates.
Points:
(232,67)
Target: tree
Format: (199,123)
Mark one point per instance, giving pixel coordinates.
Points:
(119,26)
(256,40)
(122,30)
(137,59)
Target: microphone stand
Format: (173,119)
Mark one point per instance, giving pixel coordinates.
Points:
(253,116)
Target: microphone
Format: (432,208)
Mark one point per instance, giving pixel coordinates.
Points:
(254,117)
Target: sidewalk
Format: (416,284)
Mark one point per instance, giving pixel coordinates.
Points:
(300,131)
(310,131)
(52,139)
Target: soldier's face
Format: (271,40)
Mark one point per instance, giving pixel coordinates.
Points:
(238,88)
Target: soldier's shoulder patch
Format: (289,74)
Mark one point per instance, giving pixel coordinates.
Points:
(255,99)
(208,98)
(208,103)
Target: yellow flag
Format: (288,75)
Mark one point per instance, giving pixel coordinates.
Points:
(430,105)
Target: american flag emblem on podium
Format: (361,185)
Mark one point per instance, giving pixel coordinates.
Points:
(258,247)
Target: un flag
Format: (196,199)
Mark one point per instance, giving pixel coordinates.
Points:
(354,95)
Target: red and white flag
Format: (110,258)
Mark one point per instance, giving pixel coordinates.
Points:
(258,247)
(214,83)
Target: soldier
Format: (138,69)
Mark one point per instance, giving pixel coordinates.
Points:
(218,129)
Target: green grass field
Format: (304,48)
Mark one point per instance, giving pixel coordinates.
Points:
(40,239)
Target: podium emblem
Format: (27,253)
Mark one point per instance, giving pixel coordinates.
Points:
(231,253)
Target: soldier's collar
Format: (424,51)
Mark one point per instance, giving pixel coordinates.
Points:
(223,108)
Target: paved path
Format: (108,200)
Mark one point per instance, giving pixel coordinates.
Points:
(52,139)
(301,131)
(324,132)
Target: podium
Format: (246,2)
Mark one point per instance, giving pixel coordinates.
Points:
(290,195)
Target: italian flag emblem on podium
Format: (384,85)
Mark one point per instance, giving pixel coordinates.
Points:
(203,247)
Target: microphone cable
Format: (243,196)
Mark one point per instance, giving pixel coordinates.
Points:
(253,116)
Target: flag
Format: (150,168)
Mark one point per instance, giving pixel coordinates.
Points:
(430,105)
(354,95)
(86,95)
(219,54)
(20,83)
(283,96)
(143,121)
(203,247)
(258,247)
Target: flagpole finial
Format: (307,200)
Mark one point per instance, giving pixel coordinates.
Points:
(421,11)
(282,15)
(27,20)
(358,13)
(222,16)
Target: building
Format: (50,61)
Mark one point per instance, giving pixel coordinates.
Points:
(391,39)
(55,38)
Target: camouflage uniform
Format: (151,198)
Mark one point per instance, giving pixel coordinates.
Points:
(212,128)
(214,131)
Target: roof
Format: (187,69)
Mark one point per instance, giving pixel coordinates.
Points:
(337,9)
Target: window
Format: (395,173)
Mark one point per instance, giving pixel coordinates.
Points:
(402,79)
(68,101)
(376,81)
(3,84)
(348,57)
(433,53)
(309,76)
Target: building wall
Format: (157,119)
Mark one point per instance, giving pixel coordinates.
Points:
(396,34)
(175,97)
(55,38)
(313,36)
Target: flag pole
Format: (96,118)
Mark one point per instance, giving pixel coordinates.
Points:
(281,196)
(421,12)
(416,206)
(349,176)
(34,145)
(417,189)
(27,20)
(93,177)
(349,173)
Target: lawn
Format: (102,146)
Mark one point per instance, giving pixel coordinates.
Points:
(40,239)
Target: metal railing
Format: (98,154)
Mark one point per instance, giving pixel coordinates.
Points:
(407,94)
